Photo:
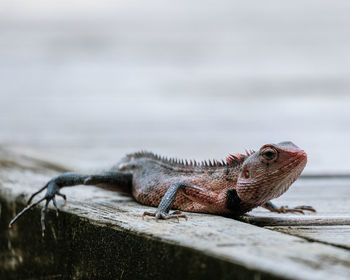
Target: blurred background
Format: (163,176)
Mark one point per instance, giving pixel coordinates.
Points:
(84,82)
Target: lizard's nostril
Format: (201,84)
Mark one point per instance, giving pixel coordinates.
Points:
(303,154)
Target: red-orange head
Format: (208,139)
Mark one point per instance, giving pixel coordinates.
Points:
(268,173)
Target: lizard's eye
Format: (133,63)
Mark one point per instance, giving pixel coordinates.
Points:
(268,154)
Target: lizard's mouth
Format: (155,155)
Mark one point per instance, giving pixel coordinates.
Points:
(288,173)
(296,162)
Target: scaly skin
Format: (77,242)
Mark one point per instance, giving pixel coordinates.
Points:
(233,187)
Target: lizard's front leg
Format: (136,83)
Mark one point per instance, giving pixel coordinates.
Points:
(193,192)
(285,209)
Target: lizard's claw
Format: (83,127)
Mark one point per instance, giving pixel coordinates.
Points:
(306,208)
(52,190)
(63,196)
(161,215)
(298,209)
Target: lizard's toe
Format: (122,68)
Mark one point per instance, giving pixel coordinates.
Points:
(306,208)
(293,210)
(161,215)
(147,214)
(175,215)
(298,209)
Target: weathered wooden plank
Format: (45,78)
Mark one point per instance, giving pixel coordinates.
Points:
(293,220)
(334,235)
(325,175)
(90,210)
(328,196)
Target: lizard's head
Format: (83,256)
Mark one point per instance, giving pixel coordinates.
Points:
(268,173)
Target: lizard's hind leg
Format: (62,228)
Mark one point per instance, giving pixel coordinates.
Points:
(68,180)
(53,187)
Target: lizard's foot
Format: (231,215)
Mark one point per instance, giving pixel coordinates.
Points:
(285,209)
(52,190)
(69,179)
(298,209)
(165,216)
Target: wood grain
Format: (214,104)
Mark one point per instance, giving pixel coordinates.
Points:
(251,247)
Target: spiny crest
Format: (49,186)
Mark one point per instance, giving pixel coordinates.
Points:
(235,159)
(249,152)
(231,160)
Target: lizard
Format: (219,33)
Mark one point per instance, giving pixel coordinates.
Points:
(232,187)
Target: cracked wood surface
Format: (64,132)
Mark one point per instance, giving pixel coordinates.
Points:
(265,251)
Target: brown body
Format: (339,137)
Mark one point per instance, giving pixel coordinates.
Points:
(152,176)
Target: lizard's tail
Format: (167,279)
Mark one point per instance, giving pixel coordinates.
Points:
(114,181)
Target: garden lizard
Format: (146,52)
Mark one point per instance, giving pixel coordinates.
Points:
(231,187)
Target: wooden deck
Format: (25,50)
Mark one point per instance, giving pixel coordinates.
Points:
(264,246)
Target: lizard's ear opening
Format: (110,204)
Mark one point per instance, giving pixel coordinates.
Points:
(246,173)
